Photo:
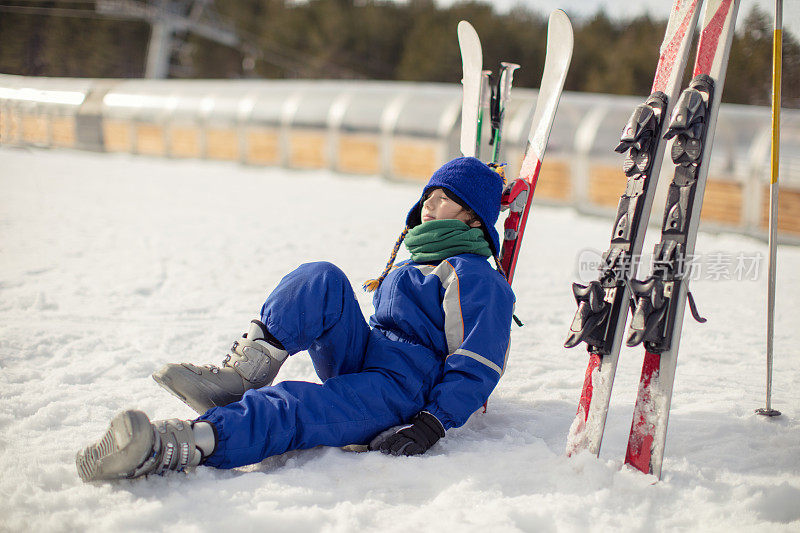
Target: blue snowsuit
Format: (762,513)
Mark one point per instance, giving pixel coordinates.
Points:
(438,341)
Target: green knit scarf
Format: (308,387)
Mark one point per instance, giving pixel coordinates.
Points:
(439,239)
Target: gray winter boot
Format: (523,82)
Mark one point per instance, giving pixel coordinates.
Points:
(134,447)
(253,363)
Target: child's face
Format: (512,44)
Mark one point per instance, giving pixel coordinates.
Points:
(437,206)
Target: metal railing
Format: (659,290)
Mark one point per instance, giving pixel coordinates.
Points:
(394,129)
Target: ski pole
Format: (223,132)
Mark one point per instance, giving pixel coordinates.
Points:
(500,97)
(773,200)
(485,96)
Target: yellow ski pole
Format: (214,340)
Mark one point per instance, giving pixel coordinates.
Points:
(773,199)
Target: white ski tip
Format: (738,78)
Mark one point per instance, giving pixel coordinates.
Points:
(560,40)
(560,28)
(467,34)
(472,65)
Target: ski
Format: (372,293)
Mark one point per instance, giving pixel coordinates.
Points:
(661,298)
(472,80)
(519,194)
(603,303)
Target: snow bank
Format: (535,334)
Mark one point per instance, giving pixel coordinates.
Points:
(113,265)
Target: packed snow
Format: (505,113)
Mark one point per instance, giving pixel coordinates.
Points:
(111,265)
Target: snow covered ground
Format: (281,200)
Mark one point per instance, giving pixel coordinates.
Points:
(113,265)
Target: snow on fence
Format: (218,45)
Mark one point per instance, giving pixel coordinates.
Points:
(394,129)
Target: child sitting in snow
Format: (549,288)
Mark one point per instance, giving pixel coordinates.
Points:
(430,356)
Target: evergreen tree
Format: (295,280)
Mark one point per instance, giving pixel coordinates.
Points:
(750,68)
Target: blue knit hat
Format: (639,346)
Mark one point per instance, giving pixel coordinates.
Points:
(469,182)
(475,184)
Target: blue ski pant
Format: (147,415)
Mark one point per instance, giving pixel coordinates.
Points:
(369,381)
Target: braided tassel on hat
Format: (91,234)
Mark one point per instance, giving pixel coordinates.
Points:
(372,284)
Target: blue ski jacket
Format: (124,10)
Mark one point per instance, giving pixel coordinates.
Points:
(439,341)
(461,309)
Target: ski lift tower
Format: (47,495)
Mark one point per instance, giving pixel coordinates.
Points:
(170,21)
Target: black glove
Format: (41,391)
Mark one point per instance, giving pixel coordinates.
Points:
(411,439)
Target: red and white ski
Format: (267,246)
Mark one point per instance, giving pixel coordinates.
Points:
(661,298)
(603,303)
(519,196)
